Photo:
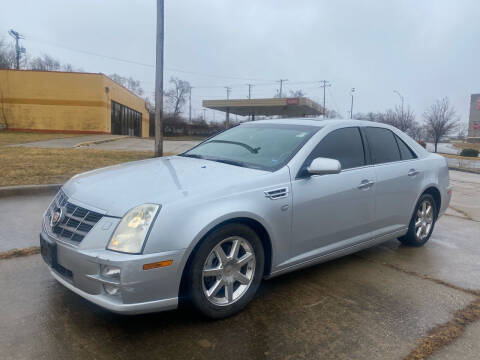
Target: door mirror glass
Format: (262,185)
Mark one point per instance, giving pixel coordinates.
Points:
(323,166)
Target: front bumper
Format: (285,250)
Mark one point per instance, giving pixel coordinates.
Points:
(140,291)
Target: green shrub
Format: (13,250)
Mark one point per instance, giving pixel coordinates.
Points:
(469,152)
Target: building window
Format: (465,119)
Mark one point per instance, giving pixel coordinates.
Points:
(125,121)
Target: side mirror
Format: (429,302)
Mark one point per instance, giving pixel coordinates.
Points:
(323,166)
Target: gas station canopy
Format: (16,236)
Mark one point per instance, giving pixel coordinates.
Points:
(286,107)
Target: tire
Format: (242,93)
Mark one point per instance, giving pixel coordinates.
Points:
(421,225)
(215,282)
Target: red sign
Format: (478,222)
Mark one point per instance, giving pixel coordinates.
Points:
(295,101)
(475,126)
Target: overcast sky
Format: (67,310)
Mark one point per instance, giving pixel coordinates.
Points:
(423,49)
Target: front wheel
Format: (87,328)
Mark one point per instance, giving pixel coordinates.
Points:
(226,271)
(422,222)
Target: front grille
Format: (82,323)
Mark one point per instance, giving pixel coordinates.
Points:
(75,221)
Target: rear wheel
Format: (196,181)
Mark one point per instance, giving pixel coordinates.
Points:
(422,222)
(226,271)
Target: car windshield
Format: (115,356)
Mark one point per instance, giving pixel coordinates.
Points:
(257,146)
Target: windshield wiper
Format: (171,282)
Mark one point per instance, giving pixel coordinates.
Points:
(248,147)
(230,162)
(196,156)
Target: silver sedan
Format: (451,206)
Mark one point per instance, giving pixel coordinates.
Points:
(256,201)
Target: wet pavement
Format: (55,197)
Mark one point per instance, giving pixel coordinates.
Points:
(375,304)
(21,220)
(349,308)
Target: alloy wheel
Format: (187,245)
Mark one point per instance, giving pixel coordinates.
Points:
(228,271)
(424,220)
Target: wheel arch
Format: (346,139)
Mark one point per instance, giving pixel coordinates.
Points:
(254,224)
(435,193)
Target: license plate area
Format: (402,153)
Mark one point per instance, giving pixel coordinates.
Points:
(48,249)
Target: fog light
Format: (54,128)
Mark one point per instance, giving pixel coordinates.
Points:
(111,272)
(111,289)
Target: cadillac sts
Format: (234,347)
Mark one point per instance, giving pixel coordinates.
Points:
(256,201)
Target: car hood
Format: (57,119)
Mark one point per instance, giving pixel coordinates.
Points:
(116,189)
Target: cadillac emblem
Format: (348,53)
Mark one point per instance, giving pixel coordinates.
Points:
(56,216)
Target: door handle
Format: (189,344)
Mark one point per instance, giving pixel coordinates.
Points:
(366,184)
(413,172)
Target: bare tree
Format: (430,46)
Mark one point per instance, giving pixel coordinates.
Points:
(332,114)
(291,93)
(68,68)
(440,120)
(462,131)
(402,119)
(417,132)
(370,116)
(3,112)
(130,83)
(177,96)
(46,63)
(7,55)
(297,93)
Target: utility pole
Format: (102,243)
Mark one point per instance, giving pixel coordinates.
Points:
(18,49)
(325,84)
(159,80)
(401,97)
(204,114)
(227,114)
(281,81)
(190,104)
(351,106)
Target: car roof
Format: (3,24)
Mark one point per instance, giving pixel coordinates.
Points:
(318,122)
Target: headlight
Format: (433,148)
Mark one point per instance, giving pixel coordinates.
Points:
(132,231)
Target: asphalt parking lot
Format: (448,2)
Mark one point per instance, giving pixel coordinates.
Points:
(381,303)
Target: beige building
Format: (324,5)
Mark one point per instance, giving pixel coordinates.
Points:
(68,102)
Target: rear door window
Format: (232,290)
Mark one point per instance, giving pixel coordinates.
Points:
(382,144)
(405,151)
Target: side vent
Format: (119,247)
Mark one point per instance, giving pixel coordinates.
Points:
(277,193)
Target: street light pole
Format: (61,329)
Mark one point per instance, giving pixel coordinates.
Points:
(401,97)
(351,106)
(159,80)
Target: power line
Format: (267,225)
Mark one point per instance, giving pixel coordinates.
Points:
(129,61)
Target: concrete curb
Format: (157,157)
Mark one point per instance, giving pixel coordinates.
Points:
(94,142)
(20,190)
(477,172)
